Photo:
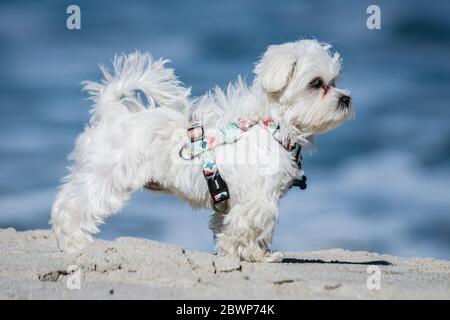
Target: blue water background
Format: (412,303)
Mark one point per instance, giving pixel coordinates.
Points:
(380,182)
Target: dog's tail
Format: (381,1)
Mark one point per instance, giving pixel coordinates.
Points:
(138,82)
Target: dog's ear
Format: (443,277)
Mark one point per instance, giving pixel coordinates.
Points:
(275,68)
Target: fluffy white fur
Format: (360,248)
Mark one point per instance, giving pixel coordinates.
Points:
(129,143)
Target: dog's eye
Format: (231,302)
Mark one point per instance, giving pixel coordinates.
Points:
(316,83)
(332,83)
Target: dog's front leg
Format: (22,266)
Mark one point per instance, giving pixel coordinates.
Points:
(246,231)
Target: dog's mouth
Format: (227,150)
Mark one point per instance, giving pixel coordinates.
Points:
(333,120)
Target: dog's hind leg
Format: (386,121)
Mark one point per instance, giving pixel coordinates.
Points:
(82,204)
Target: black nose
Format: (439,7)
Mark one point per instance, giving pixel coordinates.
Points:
(344,101)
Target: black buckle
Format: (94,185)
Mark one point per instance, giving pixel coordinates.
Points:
(217,188)
(301,183)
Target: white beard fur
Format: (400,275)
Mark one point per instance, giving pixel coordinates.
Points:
(129,144)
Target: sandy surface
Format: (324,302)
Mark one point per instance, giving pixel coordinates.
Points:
(31,267)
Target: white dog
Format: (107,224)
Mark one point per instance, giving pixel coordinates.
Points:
(129,144)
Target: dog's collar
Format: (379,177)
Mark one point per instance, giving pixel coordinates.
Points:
(230,134)
(294,148)
(272,127)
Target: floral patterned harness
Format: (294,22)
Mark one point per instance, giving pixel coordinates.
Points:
(203,144)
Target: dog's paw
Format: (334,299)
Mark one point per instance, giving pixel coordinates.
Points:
(69,246)
(263,256)
(73,243)
(274,257)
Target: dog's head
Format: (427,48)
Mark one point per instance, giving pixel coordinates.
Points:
(300,77)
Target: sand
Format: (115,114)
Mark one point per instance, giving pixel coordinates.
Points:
(31,267)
